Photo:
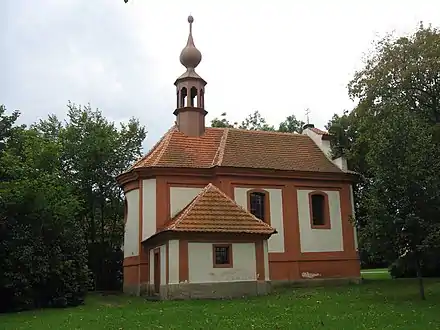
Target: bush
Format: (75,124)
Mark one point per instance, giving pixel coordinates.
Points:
(43,254)
(404,267)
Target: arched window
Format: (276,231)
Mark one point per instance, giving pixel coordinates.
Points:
(258,204)
(202,98)
(319,210)
(183,97)
(194,99)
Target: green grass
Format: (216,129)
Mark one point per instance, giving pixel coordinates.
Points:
(376,304)
(376,274)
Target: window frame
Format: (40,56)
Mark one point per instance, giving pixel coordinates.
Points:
(326,211)
(214,259)
(266,203)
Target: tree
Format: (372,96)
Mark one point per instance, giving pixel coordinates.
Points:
(94,152)
(255,122)
(404,197)
(43,256)
(222,122)
(392,139)
(403,71)
(6,125)
(291,125)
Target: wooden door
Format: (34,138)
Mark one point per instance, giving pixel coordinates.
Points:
(156,271)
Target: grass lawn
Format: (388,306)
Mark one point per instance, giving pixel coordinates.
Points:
(376,304)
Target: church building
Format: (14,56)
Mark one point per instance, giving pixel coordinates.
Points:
(224,212)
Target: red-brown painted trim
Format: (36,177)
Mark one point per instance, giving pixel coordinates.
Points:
(323,186)
(266,203)
(213,172)
(292,237)
(213,237)
(186,185)
(347,226)
(327,222)
(131,261)
(257,185)
(129,186)
(141,213)
(183,261)
(159,269)
(281,265)
(259,258)
(144,256)
(322,256)
(230,256)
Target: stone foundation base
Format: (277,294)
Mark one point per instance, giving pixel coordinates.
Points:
(227,290)
(131,289)
(221,290)
(318,282)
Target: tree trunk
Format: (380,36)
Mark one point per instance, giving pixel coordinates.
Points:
(420,278)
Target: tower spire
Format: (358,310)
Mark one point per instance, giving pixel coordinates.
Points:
(190,57)
(190,111)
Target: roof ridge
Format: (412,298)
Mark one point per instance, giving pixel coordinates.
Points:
(202,193)
(236,204)
(265,132)
(190,206)
(221,148)
(319,131)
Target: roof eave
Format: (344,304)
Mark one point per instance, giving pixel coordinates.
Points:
(164,235)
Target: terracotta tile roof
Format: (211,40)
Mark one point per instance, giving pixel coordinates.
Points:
(213,211)
(231,147)
(319,131)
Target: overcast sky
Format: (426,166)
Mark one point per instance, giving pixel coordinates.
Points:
(279,57)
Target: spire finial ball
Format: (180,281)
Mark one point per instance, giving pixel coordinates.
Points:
(190,19)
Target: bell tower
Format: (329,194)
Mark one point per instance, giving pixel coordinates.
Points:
(190,109)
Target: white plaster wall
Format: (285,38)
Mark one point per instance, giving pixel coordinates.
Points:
(131,233)
(148,208)
(163,261)
(276,241)
(353,214)
(324,145)
(181,197)
(341,162)
(201,270)
(163,265)
(266,261)
(173,258)
(152,266)
(320,240)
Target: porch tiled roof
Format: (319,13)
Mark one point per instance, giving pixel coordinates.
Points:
(213,211)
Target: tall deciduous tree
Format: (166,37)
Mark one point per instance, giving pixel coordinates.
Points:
(222,122)
(291,125)
(391,138)
(94,152)
(43,255)
(256,122)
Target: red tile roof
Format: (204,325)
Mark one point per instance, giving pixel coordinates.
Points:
(213,211)
(318,131)
(231,147)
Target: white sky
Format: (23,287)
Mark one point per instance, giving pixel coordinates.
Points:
(278,57)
